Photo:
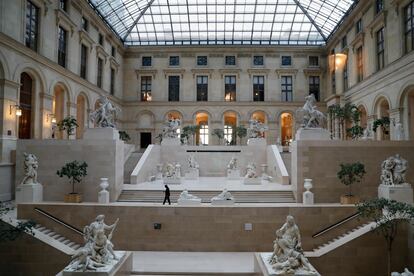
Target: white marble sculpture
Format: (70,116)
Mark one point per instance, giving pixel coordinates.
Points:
(30,169)
(193,168)
(367,135)
(224,197)
(310,115)
(170,128)
(97,252)
(105,115)
(172,173)
(256,129)
(265,176)
(192,162)
(250,171)
(187,198)
(233,172)
(288,257)
(308,196)
(232,165)
(398,132)
(405,273)
(393,170)
(103,195)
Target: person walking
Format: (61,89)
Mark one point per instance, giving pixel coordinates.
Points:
(167,195)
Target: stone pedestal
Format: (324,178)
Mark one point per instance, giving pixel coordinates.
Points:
(195,201)
(103,196)
(29,193)
(308,198)
(171,181)
(401,193)
(313,134)
(122,266)
(256,142)
(233,174)
(222,202)
(106,133)
(192,174)
(252,181)
(262,267)
(170,142)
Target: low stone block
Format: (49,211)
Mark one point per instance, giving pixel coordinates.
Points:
(252,181)
(171,142)
(401,193)
(194,201)
(223,202)
(256,142)
(312,134)
(192,173)
(233,174)
(308,198)
(100,133)
(103,197)
(171,181)
(29,193)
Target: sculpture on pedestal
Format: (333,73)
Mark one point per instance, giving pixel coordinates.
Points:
(393,170)
(399,132)
(171,171)
(105,114)
(405,273)
(232,165)
(185,195)
(192,163)
(98,249)
(256,129)
(223,196)
(311,116)
(288,257)
(170,128)
(251,171)
(366,134)
(30,169)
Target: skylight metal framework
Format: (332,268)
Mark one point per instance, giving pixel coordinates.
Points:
(221,22)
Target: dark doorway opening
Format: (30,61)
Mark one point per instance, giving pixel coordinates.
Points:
(25,103)
(145,139)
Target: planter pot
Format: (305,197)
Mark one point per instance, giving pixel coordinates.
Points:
(73,198)
(346,199)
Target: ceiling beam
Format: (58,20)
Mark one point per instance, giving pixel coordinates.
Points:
(137,19)
(310,19)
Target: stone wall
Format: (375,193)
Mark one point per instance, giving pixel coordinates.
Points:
(319,160)
(105,158)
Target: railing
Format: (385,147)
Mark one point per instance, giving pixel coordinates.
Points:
(59,221)
(329,228)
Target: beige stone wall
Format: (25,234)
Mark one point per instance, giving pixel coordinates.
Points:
(105,158)
(320,160)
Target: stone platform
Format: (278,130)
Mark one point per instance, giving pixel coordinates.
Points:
(262,267)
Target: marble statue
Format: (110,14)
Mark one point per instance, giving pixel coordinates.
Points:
(30,169)
(224,195)
(192,163)
(251,171)
(172,171)
(366,134)
(105,114)
(98,249)
(256,129)
(393,170)
(170,128)
(399,132)
(288,257)
(405,273)
(232,165)
(185,195)
(311,116)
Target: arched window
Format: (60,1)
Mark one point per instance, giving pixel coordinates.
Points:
(25,104)
(202,137)
(230,123)
(286,128)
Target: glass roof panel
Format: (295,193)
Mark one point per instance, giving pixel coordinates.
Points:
(187,22)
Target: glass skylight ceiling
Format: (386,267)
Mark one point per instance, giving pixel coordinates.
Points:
(203,22)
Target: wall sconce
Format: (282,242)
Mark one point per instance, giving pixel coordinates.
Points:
(53,118)
(17,108)
(337,60)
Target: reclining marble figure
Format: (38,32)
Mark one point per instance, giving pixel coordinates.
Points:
(98,249)
(287,257)
(223,196)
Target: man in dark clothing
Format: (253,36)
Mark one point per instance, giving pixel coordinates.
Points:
(167,195)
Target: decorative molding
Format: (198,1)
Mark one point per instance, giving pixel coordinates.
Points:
(199,71)
(358,40)
(286,71)
(101,51)
(173,72)
(160,55)
(114,63)
(313,72)
(187,54)
(9,83)
(144,72)
(300,55)
(239,55)
(258,71)
(379,21)
(63,17)
(216,55)
(230,72)
(86,39)
(397,4)
(46,96)
(272,55)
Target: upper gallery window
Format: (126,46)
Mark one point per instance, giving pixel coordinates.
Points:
(99,73)
(202,88)
(83,61)
(62,46)
(146,83)
(286,60)
(379,6)
(314,86)
(230,60)
(409,27)
(344,42)
(313,61)
(32,26)
(202,60)
(230,88)
(360,65)
(63,5)
(380,49)
(287,89)
(358,26)
(113,51)
(100,39)
(146,61)
(84,24)
(112,87)
(174,60)
(258,60)
(173,88)
(258,88)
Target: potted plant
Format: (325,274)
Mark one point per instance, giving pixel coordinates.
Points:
(190,131)
(124,136)
(75,171)
(355,132)
(219,133)
(384,123)
(69,124)
(348,175)
(241,132)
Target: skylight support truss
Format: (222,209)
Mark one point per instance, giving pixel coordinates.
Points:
(310,18)
(136,20)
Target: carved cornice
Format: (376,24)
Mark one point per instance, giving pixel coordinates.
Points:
(146,72)
(230,72)
(9,83)
(378,22)
(313,72)
(46,96)
(243,55)
(86,39)
(286,71)
(173,72)
(358,41)
(397,4)
(101,51)
(258,71)
(216,55)
(198,71)
(62,18)
(114,63)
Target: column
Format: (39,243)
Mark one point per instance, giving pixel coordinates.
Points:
(395,117)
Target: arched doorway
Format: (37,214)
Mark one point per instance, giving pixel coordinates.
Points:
(407,104)
(81,113)
(25,103)
(286,128)
(382,111)
(59,108)
(230,124)
(202,136)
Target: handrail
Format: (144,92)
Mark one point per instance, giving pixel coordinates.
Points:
(342,221)
(55,219)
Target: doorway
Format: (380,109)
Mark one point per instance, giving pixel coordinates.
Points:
(146,139)
(25,104)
